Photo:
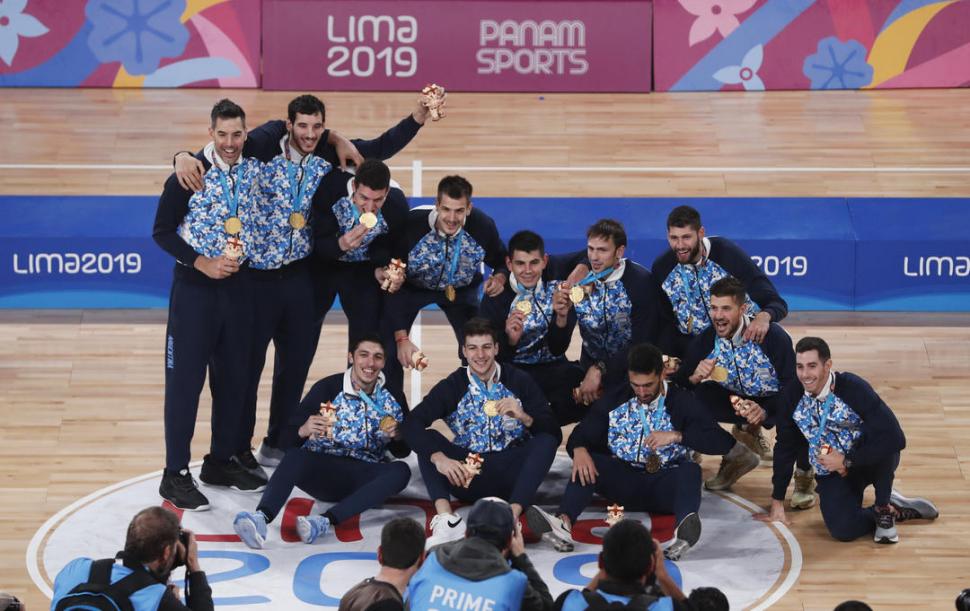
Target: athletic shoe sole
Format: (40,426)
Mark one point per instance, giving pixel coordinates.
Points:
(246,529)
(541,523)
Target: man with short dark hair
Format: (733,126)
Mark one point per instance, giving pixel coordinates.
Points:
(210,234)
(634,449)
(400,555)
(446,246)
(615,306)
(739,380)
(853,441)
(347,420)
(693,264)
(631,559)
(708,599)
(359,231)
(153,547)
(522,314)
(487,569)
(505,436)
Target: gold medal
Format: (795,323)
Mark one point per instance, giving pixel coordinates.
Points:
(297,220)
(490,408)
(690,323)
(653,463)
(577,294)
(524,306)
(719,374)
(368,219)
(387,423)
(450,293)
(233,225)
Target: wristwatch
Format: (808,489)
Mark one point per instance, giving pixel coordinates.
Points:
(847,462)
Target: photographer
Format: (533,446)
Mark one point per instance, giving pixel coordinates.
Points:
(154,546)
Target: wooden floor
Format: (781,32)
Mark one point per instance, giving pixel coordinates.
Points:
(80,391)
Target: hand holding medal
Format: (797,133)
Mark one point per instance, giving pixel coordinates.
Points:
(369,220)
(671,365)
(234,249)
(614,513)
(389,426)
(473,466)
(433,98)
(393,276)
(419,361)
(329,413)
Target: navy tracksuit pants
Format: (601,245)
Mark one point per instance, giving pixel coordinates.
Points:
(513,474)
(209,327)
(458,312)
(354,485)
(361,296)
(283,314)
(675,489)
(717,400)
(840,497)
(557,381)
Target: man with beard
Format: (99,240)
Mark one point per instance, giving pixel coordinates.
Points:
(634,450)
(154,545)
(347,420)
(738,380)
(210,234)
(693,264)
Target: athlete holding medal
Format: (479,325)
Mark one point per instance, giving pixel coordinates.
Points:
(633,448)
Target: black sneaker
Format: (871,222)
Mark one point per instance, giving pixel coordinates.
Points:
(913,508)
(180,490)
(248,461)
(230,473)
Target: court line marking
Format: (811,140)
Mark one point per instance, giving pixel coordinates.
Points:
(590,169)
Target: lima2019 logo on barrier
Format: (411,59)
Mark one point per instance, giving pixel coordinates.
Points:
(753,563)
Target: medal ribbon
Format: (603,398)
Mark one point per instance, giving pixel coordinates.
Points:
(455,255)
(656,419)
(693,289)
(370,402)
(296,186)
(482,386)
(232,195)
(823,418)
(593,277)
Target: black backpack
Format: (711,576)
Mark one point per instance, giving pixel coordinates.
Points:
(596,602)
(99,593)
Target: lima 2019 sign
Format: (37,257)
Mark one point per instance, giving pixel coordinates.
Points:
(753,563)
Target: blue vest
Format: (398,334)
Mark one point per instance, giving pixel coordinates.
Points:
(576,602)
(78,571)
(434,589)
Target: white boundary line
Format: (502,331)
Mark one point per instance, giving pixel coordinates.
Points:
(796,552)
(32,557)
(590,169)
(416,191)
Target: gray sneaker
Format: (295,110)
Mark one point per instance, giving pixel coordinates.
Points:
(550,528)
(685,537)
(913,508)
(731,470)
(268,456)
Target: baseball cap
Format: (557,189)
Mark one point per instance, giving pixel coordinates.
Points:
(491,517)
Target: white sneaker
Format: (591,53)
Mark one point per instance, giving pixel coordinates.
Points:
(268,456)
(552,529)
(445,527)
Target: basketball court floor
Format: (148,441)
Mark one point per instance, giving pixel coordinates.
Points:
(81,390)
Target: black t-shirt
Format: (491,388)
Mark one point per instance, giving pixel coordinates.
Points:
(372,595)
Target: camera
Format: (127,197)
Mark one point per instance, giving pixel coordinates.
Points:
(180,557)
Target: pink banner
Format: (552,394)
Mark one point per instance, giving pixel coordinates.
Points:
(466,46)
